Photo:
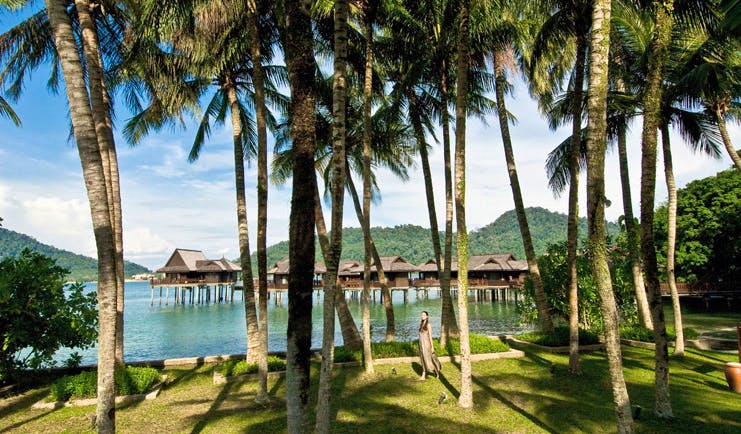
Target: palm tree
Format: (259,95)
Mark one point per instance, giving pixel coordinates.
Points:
(299,56)
(95,181)
(571,21)
(596,145)
(339,97)
(500,46)
(652,103)
(465,399)
(262,198)
(7,111)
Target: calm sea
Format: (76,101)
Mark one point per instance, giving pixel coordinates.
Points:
(154,332)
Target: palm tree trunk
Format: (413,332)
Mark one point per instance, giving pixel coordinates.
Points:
(299,57)
(596,145)
(104,132)
(368,17)
(449,327)
(262,202)
(465,399)
(573,222)
(732,152)
(644,313)
(95,182)
(350,335)
(540,299)
(651,115)
(671,188)
(385,293)
(339,97)
(248,284)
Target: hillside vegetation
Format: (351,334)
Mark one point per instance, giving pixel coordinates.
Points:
(415,245)
(81,267)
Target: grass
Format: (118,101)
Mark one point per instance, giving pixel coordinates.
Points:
(531,394)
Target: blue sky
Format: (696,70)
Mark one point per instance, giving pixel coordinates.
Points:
(168,202)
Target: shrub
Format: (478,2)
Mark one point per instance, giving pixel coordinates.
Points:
(342,354)
(39,313)
(559,337)
(128,381)
(479,345)
(637,333)
(234,367)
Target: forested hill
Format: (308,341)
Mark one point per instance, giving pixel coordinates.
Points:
(414,242)
(81,267)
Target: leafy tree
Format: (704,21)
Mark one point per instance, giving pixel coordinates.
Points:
(39,313)
(708,230)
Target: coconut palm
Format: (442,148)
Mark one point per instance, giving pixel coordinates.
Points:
(596,145)
(339,97)
(299,56)
(95,181)
(498,38)
(465,399)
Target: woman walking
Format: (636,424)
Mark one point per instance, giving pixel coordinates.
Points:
(427,355)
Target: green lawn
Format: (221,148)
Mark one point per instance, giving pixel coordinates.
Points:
(525,395)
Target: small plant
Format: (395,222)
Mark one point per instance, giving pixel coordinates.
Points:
(559,337)
(128,381)
(233,367)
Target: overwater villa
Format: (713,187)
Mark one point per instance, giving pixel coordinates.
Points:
(484,271)
(192,275)
(279,272)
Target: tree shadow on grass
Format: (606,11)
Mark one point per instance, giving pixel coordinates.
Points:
(28,420)
(215,404)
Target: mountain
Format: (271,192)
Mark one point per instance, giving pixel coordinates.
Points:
(81,267)
(414,242)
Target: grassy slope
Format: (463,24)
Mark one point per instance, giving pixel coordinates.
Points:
(513,395)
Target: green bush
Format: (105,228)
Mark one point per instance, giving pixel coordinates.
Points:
(234,367)
(559,337)
(637,333)
(39,314)
(382,350)
(128,381)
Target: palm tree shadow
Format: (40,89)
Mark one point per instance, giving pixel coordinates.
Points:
(203,421)
(494,394)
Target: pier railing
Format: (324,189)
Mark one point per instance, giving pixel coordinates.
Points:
(353,284)
(700,288)
(183,281)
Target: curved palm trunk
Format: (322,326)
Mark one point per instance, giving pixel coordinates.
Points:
(299,56)
(651,115)
(104,132)
(732,152)
(339,95)
(449,327)
(350,335)
(573,222)
(262,203)
(596,145)
(95,183)
(671,188)
(465,399)
(248,284)
(644,313)
(385,293)
(532,262)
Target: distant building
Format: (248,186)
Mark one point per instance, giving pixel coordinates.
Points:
(191,267)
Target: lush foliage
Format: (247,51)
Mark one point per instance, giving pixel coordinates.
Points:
(39,313)
(80,267)
(559,337)
(708,229)
(382,350)
(129,381)
(554,272)
(234,367)
(413,242)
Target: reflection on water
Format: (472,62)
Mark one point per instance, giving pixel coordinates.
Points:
(164,332)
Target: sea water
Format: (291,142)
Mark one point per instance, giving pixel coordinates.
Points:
(159,331)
